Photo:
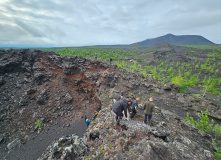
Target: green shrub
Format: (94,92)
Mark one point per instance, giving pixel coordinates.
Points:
(177,64)
(210,85)
(189,119)
(178,80)
(192,80)
(202,123)
(109,145)
(197,65)
(38,124)
(217,130)
(217,155)
(170,72)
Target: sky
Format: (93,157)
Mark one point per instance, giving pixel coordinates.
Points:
(104,22)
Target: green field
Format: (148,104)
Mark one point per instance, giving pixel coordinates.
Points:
(204,74)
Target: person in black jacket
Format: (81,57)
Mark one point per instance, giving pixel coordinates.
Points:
(135,107)
(118,108)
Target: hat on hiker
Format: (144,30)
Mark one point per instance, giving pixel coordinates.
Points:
(137,99)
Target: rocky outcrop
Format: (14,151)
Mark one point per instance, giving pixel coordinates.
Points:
(169,138)
(38,85)
(42,85)
(68,147)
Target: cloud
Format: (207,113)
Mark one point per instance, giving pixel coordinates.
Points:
(29,29)
(92,22)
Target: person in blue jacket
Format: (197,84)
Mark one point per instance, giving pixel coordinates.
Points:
(121,94)
(110,60)
(87,121)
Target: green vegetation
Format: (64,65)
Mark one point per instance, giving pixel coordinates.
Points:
(197,95)
(38,124)
(110,145)
(210,84)
(102,150)
(204,125)
(104,53)
(111,135)
(203,46)
(185,75)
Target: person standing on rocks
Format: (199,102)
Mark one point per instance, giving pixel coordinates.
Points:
(95,56)
(120,106)
(148,110)
(110,60)
(87,121)
(135,107)
(121,94)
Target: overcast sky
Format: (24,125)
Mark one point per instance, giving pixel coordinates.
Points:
(93,22)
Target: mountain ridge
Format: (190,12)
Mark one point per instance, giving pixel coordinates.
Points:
(169,38)
(173,39)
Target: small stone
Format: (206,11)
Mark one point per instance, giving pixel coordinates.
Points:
(25,139)
(1,138)
(15,143)
(30,91)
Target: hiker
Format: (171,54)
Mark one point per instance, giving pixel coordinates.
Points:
(110,60)
(121,94)
(120,106)
(148,110)
(134,107)
(87,121)
(95,56)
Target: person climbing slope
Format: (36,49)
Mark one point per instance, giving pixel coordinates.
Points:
(120,106)
(148,110)
(87,121)
(135,107)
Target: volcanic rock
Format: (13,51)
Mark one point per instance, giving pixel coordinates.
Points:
(43,86)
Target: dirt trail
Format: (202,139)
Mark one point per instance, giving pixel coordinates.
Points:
(34,148)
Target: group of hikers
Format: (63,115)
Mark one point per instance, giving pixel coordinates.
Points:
(95,56)
(124,105)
